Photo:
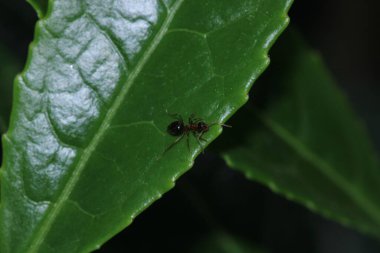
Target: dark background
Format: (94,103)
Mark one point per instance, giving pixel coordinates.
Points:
(210,196)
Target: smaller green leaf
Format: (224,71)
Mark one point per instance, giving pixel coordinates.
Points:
(8,70)
(305,142)
(225,243)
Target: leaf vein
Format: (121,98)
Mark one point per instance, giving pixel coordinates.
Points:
(112,41)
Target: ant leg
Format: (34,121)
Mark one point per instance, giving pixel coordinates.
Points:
(191,119)
(197,137)
(175,142)
(197,120)
(200,137)
(188,141)
(175,116)
(194,120)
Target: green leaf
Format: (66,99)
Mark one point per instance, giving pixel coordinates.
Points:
(225,243)
(305,142)
(40,6)
(9,67)
(84,154)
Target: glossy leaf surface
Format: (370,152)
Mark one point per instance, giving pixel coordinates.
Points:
(85,151)
(305,142)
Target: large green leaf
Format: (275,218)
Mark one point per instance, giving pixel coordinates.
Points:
(8,70)
(304,141)
(85,150)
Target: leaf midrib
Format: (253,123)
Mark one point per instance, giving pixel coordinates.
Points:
(356,195)
(53,212)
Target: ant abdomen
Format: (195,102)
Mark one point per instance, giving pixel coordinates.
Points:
(176,128)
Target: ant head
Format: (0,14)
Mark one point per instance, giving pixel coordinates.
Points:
(202,127)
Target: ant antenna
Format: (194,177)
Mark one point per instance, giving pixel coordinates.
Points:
(220,124)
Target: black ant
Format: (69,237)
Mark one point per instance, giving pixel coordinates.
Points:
(196,126)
